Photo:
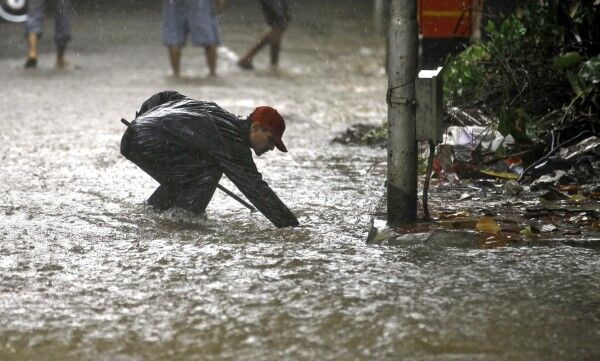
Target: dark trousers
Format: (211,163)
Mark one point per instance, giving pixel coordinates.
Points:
(187,180)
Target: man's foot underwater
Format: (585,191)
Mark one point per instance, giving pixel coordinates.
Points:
(31,63)
(245,64)
(62,64)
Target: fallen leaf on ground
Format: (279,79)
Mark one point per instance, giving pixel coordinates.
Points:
(487,225)
(503,175)
(527,232)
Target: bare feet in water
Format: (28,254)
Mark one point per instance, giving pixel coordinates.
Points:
(245,64)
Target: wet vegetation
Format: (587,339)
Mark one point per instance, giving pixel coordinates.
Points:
(533,77)
(366,134)
(522,107)
(536,73)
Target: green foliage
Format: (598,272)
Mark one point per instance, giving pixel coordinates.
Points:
(464,75)
(567,60)
(531,64)
(375,135)
(584,82)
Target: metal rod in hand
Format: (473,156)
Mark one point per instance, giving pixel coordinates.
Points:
(234,196)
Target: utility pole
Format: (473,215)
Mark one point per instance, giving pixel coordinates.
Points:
(378,16)
(402,140)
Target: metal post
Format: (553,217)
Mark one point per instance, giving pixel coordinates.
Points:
(378,16)
(402,141)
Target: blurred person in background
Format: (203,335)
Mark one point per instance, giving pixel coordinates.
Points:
(200,19)
(34,29)
(277,16)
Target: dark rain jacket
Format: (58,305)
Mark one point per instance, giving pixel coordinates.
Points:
(186,145)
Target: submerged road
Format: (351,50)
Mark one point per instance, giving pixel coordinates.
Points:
(89,272)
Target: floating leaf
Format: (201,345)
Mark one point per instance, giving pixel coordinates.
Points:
(488,225)
(577,197)
(527,232)
(567,60)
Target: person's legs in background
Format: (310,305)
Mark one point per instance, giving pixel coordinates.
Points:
(62,30)
(32,53)
(211,59)
(277,16)
(273,38)
(174,31)
(246,61)
(33,30)
(175,59)
(205,31)
(276,35)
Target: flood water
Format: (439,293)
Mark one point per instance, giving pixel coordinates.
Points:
(89,272)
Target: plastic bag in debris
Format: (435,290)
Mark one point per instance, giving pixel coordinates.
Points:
(473,136)
(590,145)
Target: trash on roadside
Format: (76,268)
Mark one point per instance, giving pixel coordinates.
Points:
(547,181)
(553,195)
(548,228)
(580,162)
(472,137)
(512,188)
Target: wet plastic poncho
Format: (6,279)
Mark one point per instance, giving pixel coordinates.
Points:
(186,145)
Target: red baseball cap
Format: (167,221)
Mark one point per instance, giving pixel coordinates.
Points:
(270,119)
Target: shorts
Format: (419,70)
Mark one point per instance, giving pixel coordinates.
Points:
(197,17)
(276,13)
(62,13)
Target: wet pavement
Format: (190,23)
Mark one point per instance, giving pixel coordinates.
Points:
(88,272)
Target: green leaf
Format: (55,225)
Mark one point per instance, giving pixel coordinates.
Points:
(567,60)
(527,232)
(576,84)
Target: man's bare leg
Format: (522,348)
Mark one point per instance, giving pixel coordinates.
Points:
(211,59)
(276,35)
(246,61)
(175,58)
(32,53)
(61,63)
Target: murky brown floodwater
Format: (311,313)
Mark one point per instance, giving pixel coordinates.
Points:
(88,272)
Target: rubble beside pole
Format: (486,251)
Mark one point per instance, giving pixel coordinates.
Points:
(402,141)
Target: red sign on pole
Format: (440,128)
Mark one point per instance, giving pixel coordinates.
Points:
(445,18)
